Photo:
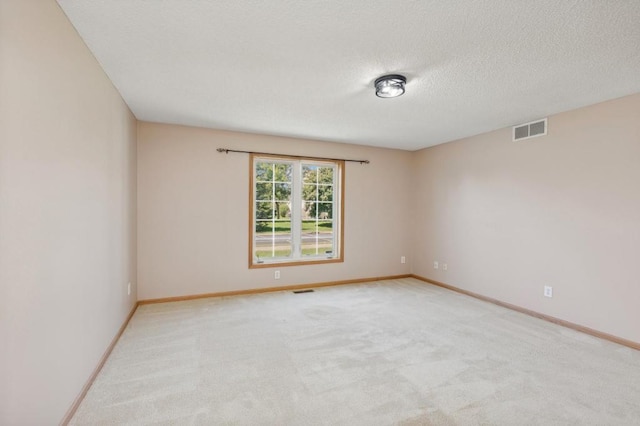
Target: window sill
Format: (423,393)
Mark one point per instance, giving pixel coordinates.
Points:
(288,262)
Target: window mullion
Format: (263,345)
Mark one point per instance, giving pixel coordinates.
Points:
(335,224)
(317,221)
(254,245)
(296,210)
(273,213)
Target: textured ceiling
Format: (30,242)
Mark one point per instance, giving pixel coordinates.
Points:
(306,68)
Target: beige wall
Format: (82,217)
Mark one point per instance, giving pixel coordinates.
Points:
(507,217)
(67,212)
(193,212)
(561,210)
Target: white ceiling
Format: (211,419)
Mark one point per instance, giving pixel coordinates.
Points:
(306,68)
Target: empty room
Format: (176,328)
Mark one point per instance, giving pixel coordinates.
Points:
(319,213)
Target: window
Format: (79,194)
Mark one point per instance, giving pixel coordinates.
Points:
(296,211)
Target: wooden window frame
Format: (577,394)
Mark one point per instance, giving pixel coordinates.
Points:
(339,241)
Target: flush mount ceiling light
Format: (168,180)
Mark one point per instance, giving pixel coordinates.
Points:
(390,86)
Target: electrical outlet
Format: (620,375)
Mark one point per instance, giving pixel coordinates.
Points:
(444,267)
(129,289)
(276,275)
(403,259)
(548,291)
(435,264)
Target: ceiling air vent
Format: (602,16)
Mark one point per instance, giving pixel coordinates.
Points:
(530,130)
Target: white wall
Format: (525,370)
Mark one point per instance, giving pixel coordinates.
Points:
(193,212)
(67,213)
(561,210)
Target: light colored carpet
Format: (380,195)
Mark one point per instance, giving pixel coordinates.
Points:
(390,352)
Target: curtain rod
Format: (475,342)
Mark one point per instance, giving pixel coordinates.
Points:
(226,151)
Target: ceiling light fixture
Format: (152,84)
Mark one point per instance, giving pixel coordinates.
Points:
(390,86)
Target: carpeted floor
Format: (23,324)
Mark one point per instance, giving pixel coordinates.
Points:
(390,352)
